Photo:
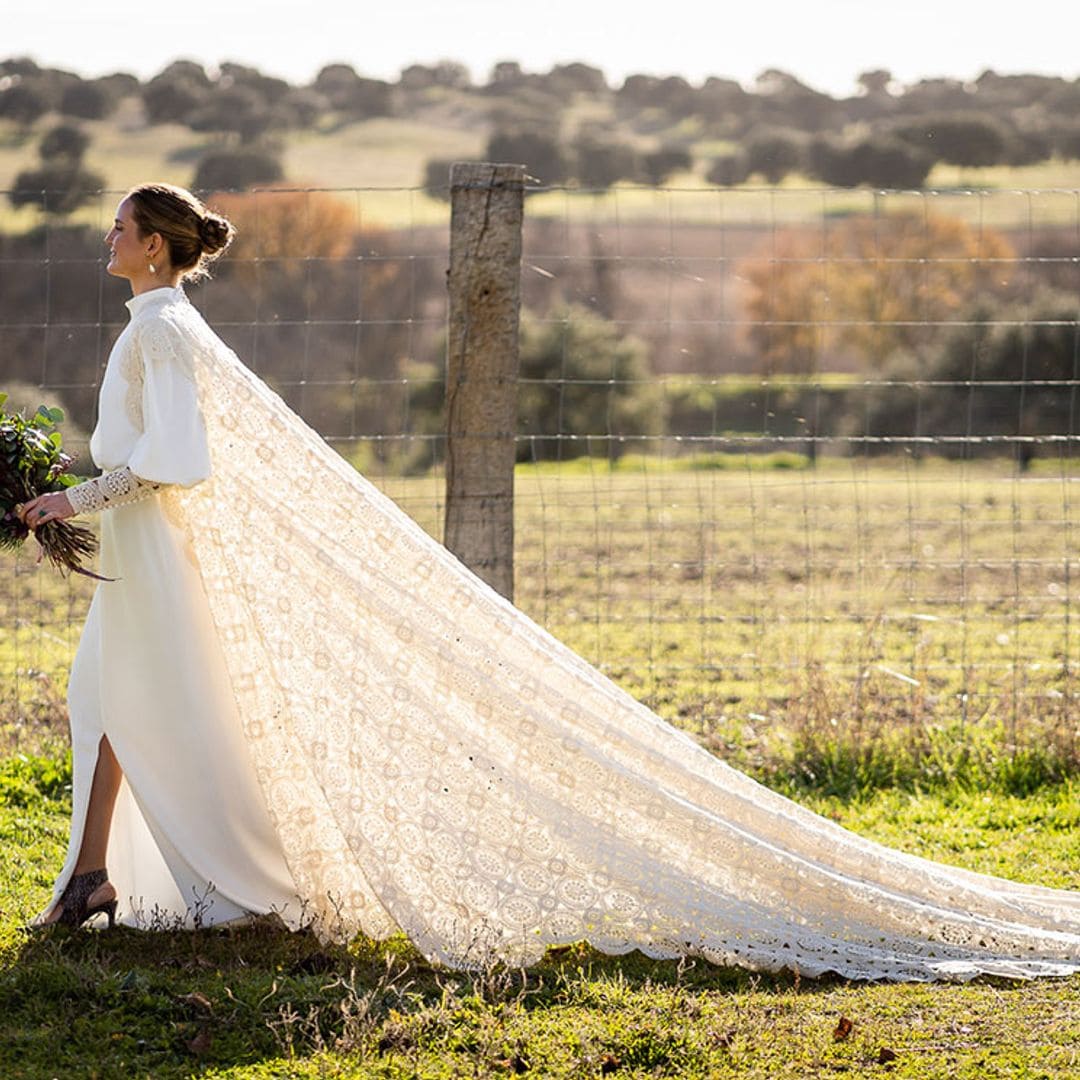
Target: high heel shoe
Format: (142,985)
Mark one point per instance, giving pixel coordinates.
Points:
(76,896)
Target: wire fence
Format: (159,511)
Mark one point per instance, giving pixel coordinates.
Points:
(785,456)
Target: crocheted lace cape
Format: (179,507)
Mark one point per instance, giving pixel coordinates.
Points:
(436,763)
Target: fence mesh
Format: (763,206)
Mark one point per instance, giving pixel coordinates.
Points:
(785,455)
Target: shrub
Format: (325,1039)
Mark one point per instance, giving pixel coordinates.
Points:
(437,178)
(539,151)
(237,169)
(579,376)
(86,100)
(729,170)
(23,104)
(773,154)
(56,187)
(65,142)
(658,166)
(599,163)
(882,161)
(965,140)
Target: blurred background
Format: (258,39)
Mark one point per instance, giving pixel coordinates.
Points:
(798,411)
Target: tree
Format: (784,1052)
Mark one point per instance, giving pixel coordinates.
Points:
(1004,371)
(773,154)
(966,140)
(60,184)
(578,77)
(172,98)
(1067,141)
(348,93)
(881,161)
(579,376)
(56,187)
(729,170)
(866,289)
(437,178)
(189,70)
(86,100)
(64,142)
(269,88)
(875,83)
(235,108)
(1028,147)
(599,163)
(538,150)
(447,73)
(936,95)
(288,227)
(237,169)
(506,75)
(299,108)
(639,91)
(658,166)
(23,103)
(337,83)
(792,103)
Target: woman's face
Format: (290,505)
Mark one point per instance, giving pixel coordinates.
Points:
(129,251)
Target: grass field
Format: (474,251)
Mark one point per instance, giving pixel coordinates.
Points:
(893,643)
(780,614)
(259,1002)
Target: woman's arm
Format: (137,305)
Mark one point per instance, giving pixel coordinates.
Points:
(114,488)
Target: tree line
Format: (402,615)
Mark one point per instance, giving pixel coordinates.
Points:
(884,135)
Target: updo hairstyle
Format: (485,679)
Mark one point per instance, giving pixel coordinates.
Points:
(194,235)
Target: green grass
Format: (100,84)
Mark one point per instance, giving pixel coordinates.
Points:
(849,627)
(260,1002)
(770,611)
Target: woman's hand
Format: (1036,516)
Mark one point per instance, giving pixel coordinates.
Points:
(52,506)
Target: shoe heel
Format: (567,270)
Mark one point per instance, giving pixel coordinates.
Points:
(109,907)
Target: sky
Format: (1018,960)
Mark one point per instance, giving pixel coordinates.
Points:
(826,43)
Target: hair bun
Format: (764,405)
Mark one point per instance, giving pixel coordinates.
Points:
(215,233)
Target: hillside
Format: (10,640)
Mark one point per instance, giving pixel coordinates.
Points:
(568,126)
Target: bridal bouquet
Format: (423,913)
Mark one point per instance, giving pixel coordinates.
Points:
(31,464)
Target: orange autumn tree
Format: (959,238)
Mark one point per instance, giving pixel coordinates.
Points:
(329,313)
(287,227)
(865,287)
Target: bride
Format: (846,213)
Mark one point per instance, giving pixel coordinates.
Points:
(293,700)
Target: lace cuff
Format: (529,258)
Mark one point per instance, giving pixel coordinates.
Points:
(108,490)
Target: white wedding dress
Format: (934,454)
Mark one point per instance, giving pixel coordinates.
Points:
(319,711)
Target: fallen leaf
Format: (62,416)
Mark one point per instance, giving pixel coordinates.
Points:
(843,1029)
(201,1043)
(608,1064)
(199,1000)
(885,1055)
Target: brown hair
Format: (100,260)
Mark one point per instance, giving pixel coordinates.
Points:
(194,235)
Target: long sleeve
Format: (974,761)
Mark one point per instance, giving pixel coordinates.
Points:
(172,448)
(110,489)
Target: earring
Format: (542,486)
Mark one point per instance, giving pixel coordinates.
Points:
(153,269)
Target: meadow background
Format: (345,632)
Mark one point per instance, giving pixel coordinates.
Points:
(797,467)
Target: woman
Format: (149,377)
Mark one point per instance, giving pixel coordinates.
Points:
(317,710)
(148,696)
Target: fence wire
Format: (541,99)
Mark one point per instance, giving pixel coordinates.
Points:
(784,456)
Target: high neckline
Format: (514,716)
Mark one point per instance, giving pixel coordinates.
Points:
(152,297)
